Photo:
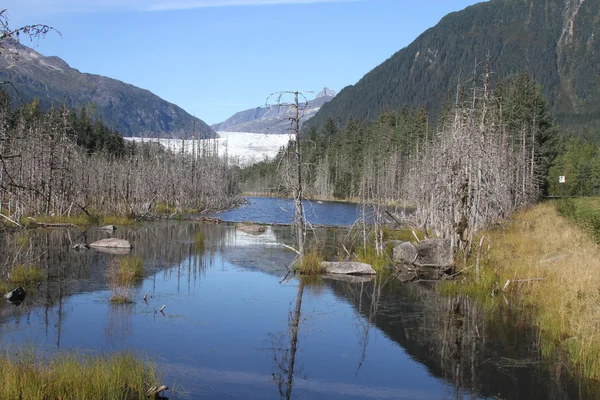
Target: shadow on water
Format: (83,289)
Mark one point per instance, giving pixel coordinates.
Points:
(234,327)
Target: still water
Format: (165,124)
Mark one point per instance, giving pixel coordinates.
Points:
(271,210)
(235,327)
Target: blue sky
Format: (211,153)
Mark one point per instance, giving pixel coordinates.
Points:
(216,57)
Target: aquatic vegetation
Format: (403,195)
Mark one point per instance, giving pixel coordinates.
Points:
(546,265)
(26,274)
(75,376)
(122,273)
(311,263)
(369,256)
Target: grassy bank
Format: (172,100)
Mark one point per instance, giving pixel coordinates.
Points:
(69,376)
(585,212)
(553,266)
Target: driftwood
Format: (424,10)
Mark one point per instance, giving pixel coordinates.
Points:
(154,390)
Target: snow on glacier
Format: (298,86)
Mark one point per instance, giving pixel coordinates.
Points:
(244,147)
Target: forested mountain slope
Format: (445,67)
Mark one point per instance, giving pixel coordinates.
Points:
(556,41)
(131,110)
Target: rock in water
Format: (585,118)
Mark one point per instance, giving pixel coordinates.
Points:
(16,296)
(347,267)
(404,252)
(113,243)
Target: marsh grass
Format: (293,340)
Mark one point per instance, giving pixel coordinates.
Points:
(369,256)
(72,376)
(126,270)
(122,273)
(81,219)
(311,263)
(404,234)
(26,274)
(538,243)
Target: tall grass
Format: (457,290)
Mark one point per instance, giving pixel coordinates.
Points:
(122,273)
(538,243)
(311,263)
(369,256)
(26,274)
(71,376)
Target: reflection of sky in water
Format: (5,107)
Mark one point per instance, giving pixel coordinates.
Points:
(226,322)
(281,211)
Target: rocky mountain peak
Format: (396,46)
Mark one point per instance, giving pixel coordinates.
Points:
(326,92)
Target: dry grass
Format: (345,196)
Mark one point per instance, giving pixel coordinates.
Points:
(71,376)
(538,243)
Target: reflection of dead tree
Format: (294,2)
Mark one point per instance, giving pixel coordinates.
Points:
(287,361)
(372,314)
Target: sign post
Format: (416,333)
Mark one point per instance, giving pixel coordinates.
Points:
(562,180)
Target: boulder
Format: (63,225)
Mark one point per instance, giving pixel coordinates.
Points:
(112,243)
(16,296)
(405,252)
(109,228)
(347,267)
(406,274)
(434,253)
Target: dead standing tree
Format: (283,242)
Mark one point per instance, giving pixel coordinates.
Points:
(293,172)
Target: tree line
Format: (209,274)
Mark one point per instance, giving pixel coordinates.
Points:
(491,151)
(62,162)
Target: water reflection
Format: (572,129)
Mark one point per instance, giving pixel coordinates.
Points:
(233,327)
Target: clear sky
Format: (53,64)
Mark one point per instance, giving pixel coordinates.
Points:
(216,57)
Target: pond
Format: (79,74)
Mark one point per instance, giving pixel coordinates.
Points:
(269,210)
(237,326)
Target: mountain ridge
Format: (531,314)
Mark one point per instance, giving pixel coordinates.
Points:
(554,41)
(273,119)
(132,110)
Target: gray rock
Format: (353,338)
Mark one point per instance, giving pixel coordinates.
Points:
(109,228)
(405,252)
(350,278)
(80,246)
(347,267)
(112,243)
(435,253)
(406,274)
(16,296)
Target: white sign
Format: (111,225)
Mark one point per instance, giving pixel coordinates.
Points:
(561,179)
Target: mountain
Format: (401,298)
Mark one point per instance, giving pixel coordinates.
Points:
(556,41)
(134,111)
(274,119)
